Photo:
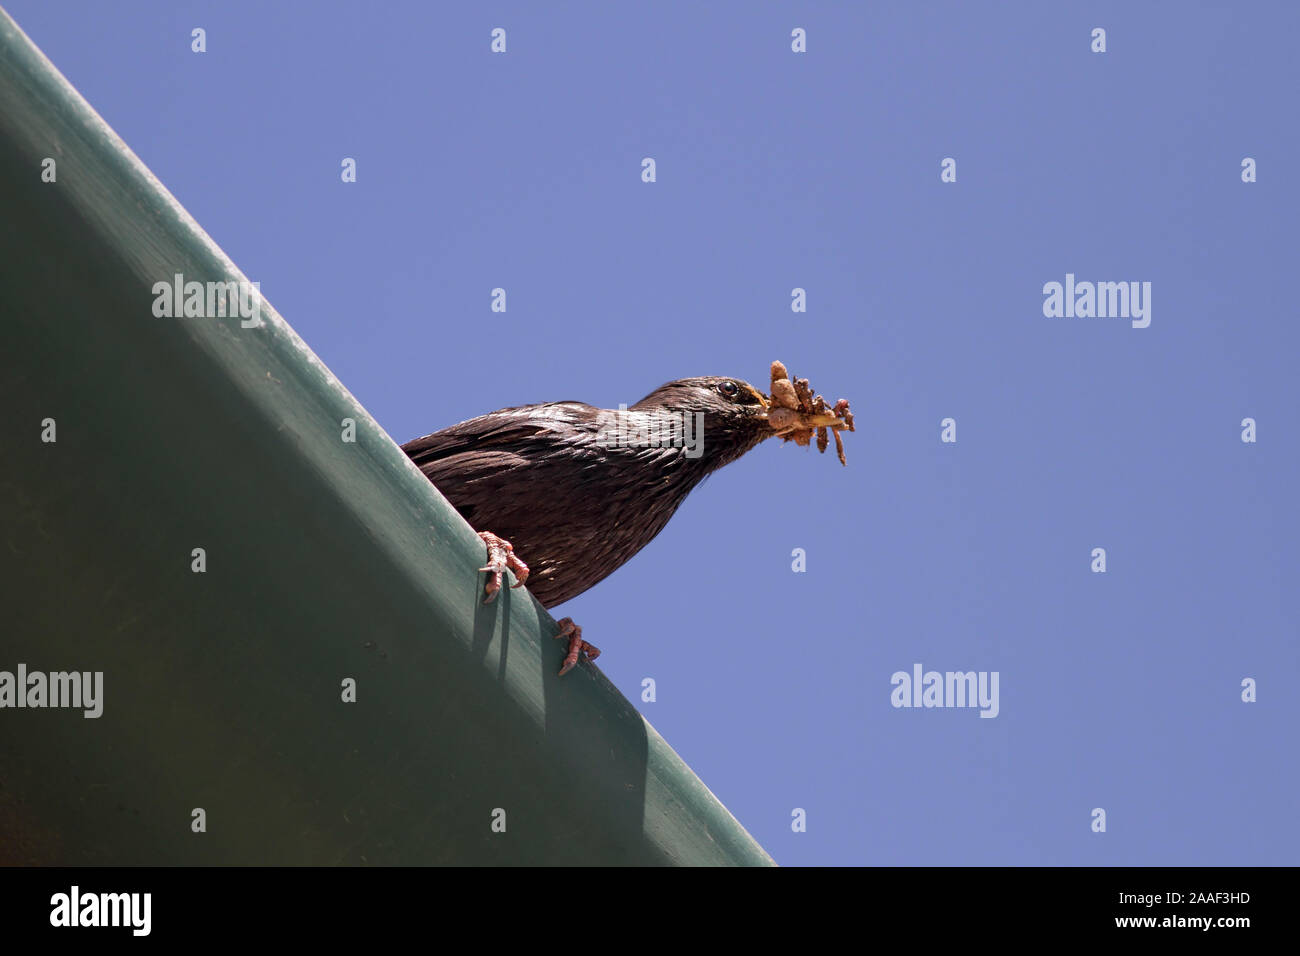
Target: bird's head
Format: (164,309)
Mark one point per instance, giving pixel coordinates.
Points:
(735,414)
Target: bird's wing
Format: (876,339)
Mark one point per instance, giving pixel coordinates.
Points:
(501,430)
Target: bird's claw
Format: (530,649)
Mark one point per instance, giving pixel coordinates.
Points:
(577,646)
(501,555)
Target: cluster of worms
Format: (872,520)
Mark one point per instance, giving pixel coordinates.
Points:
(797,414)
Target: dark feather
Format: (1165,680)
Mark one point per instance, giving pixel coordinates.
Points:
(574,506)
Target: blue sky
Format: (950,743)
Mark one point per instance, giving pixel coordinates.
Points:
(821,171)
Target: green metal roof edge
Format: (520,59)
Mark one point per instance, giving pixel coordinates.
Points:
(326,560)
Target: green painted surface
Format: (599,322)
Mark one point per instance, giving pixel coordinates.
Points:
(325,560)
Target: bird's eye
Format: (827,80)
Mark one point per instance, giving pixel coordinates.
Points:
(728,389)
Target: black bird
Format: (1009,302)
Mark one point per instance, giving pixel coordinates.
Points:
(578,490)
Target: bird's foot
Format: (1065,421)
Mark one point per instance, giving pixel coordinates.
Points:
(577,646)
(501,555)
